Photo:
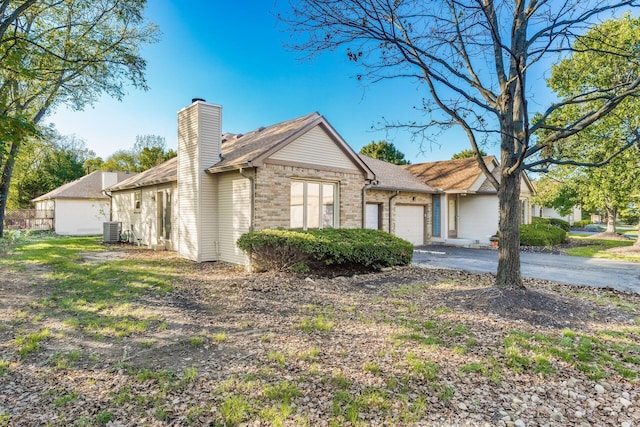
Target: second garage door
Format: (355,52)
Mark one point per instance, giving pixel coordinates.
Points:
(410,223)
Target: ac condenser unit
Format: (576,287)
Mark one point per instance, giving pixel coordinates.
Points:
(111,232)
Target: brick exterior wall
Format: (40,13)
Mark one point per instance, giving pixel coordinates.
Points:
(273,192)
(404,198)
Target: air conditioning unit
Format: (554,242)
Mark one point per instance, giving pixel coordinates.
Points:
(111,232)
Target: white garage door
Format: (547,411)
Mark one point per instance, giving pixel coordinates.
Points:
(410,223)
(373,216)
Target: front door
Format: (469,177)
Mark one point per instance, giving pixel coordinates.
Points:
(452,212)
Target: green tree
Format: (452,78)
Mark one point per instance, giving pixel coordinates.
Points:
(468,153)
(93,164)
(150,151)
(608,188)
(472,58)
(147,152)
(385,151)
(45,164)
(121,160)
(69,52)
(556,193)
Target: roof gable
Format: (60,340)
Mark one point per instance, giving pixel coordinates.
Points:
(461,175)
(86,187)
(458,175)
(256,147)
(314,147)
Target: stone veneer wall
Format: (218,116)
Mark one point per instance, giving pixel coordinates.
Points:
(273,192)
(382,197)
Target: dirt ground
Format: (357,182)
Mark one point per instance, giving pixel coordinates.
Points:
(249,335)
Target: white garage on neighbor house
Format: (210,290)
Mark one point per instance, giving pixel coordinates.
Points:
(466,212)
(398,202)
(80,207)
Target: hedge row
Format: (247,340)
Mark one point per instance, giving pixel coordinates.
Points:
(541,234)
(556,222)
(302,251)
(582,223)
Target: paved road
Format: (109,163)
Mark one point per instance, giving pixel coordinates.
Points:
(624,276)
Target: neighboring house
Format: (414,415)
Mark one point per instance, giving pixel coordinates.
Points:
(467,212)
(295,174)
(398,202)
(80,207)
(542,212)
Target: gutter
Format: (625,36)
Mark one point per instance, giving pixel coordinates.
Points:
(218,169)
(252,197)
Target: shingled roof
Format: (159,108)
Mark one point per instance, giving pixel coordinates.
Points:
(240,150)
(394,177)
(164,172)
(453,175)
(87,187)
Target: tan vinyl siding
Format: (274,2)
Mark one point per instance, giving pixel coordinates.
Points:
(317,148)
(143,222)
(198,148)
(209,144)
(188,183)
(234,210)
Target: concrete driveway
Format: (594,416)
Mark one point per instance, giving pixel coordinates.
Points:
(624,276)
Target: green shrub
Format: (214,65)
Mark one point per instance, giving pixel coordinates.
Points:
(556,222)
(582,223)
(541,234)
(301,251)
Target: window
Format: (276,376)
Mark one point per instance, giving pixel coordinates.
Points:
(313,204)
(166,219)
(137,201)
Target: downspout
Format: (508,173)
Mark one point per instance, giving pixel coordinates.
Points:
(390,200)
(364,202)
(108,194)
(253,194)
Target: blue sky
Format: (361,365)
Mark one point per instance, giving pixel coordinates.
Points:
(232,54)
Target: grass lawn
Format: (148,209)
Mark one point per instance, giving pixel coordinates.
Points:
(96,335)
(599,248)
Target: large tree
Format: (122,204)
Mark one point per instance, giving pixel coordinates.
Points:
(44,164)
(386,151)
(468,153)
(609,188)
(147,152)
(473,59)
(69,52)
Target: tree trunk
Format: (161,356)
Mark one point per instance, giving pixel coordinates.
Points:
(5,180)
(612,216)
(508,274)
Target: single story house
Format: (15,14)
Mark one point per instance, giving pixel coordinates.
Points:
(466,212)
(296,174)
(543,212)
(80,207)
